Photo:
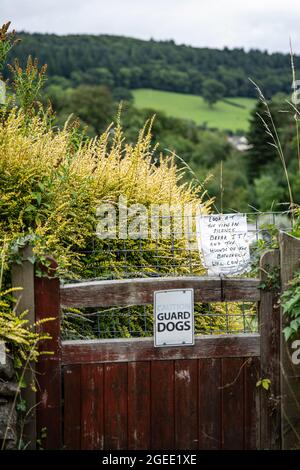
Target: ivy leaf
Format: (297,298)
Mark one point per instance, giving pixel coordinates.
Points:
(288,332)
(291,303)
(294,325)
(266,383)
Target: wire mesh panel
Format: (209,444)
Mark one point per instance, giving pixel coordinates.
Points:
(174,254)
(137,321)
(161,257)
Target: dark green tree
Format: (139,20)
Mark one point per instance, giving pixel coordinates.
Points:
(262,152)
(212,91)
(93,105)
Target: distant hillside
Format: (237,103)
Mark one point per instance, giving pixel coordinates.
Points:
(232,114)
(122,62)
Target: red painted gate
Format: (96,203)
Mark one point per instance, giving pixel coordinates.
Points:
(126,394)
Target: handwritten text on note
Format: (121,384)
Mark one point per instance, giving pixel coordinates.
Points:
(223,242)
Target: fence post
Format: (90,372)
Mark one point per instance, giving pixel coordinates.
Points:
(22,275)
(269,319)
(47,304)
(290,373)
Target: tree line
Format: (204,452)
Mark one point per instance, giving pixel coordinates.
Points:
(126,63)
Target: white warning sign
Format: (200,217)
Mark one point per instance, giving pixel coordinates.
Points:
(174,317)
(223,242)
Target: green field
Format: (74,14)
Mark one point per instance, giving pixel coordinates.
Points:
(223,115)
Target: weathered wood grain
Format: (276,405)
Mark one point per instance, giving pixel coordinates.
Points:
(92,406)
(232,403)
(162,405)
(140,291)
(269,323)
(142,349)
(115,406)
(47,304)
(251,405)
(72,407)
(209,400)
(139,396)
(186,404)
(22,275)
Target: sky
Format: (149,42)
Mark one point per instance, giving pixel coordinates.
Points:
(258,24)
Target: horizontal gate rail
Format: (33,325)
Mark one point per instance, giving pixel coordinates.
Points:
(141,349)
(140,291)
(210,384)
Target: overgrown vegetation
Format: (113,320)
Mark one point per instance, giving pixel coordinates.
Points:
(21,338)
(291,307)
(52,182)
(291,297)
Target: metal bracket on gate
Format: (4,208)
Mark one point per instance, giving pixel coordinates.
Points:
(222,288)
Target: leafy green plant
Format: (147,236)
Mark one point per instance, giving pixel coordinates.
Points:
(271,280)
(264,383)
(290,301)
(27,83)
(7,42)
(20,337)
(268,241)
(296,226)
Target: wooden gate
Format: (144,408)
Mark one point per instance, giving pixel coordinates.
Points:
(126,394)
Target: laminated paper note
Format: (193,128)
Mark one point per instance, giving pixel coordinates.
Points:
(223,242)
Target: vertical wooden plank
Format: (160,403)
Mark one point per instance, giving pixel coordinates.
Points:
(209,404)
(92,407)
(162,405)
(139,406)
(186,404)
(22,275)
(115,406)
(251,404)
(47,304)
(290,373)
(232,403)
(72,407)
(269,323)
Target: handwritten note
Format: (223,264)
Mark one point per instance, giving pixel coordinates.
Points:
(223,242)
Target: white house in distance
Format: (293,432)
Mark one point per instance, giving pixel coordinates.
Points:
(240,142)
